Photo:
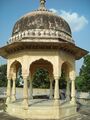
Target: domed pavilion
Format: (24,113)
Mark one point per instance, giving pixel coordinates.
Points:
(41,39)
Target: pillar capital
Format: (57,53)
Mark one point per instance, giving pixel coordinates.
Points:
(72,79)
(56,77)
(25,77)
(9,78)
(72,75)
(13,78)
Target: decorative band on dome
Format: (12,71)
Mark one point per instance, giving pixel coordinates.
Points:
(38,33)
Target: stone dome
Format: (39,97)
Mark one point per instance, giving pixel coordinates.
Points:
(41,20)
(41,23)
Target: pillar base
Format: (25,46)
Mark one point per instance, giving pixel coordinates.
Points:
(73,101)
(8,100)
(25,103)
(57,102)
(13,99)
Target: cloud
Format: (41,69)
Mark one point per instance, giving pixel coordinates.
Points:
(54,11)
(75,21)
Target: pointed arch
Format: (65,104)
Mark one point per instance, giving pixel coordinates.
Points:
(66,67)
(14,67)
(41,63)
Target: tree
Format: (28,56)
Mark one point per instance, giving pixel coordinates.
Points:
(41,79)
(83,80)
(3,75)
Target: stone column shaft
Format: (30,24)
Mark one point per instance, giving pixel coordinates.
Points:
(31,90)
(25,93)
(56,99)
(68,91)
(56,91)
(51,90)
(14,90)
(8,91)
(73,101)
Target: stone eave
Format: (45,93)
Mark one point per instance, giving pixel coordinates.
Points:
(78,52)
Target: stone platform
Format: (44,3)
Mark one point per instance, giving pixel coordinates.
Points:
(42,109)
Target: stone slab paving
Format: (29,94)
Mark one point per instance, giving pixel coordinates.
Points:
(4,116)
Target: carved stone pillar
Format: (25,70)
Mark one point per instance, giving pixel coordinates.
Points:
(14,90)
(8,91)
(51,90)
(31,89)
(73,92)
(68,90)
(56,91)
(56,98)
(25,93)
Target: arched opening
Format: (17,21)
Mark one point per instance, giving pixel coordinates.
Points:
(41,74)
(65,84)
(16,72)
(16,77)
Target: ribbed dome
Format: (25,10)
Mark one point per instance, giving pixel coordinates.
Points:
(41,20)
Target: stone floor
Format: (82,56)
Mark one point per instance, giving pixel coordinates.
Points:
(4,116)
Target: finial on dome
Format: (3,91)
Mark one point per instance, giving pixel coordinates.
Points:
(42,5)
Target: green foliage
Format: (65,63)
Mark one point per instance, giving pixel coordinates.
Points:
(19,76)
(3,75)
(83,80)
(17,82)
(41,79)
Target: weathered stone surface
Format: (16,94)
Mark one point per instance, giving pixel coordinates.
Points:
(41,20)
